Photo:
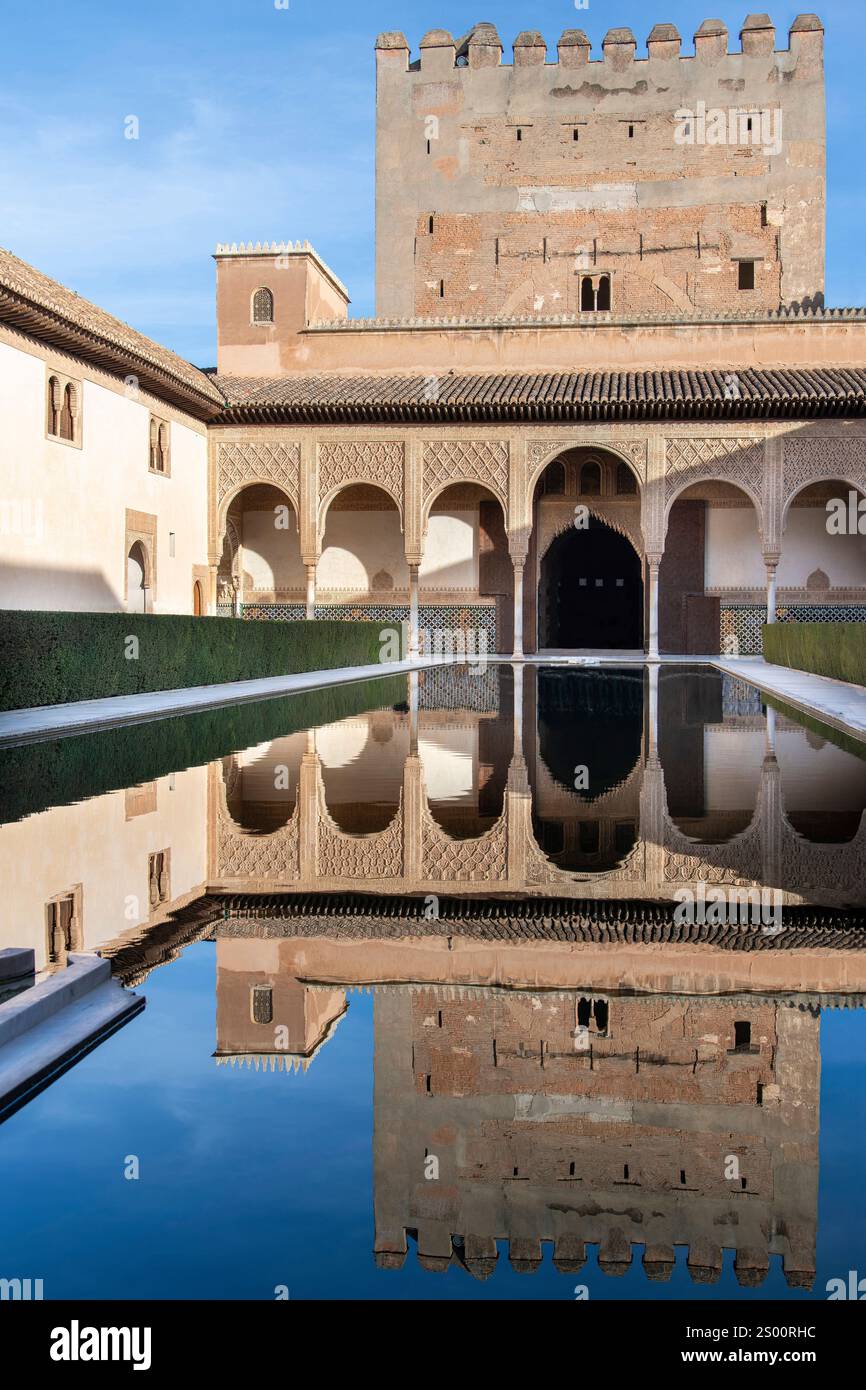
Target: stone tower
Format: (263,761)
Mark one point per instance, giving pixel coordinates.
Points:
(663,184)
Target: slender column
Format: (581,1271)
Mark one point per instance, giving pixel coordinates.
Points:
(771,732)
(654,562)
(653,720)
(311,592)
(413,712)
(518,562)
(414,646)
(517,671)
(771,590)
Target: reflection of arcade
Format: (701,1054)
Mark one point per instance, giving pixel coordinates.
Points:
(616,784)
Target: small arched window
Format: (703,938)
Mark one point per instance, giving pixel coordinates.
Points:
(553,482)
(69,412)
(590,479)
(587,294)
(154,446)
(263,306)
(602,301)
(55,405)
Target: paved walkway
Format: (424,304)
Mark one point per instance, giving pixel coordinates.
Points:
(836,703)
(58,721)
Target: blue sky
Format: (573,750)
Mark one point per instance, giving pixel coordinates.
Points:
(258,123)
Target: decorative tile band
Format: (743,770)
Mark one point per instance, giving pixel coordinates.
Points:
(746,621)
(471,626)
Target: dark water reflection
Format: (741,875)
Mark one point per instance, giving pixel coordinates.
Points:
(611,1101)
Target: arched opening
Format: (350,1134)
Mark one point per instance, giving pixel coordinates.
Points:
(362,761)
(136,579)
(262,784)
(263,306)
(591,591)
(585,799)
(363,559)
(603,297)
(261,573)
(822,570)
(467,568)
(197,600)
(584,574)
(712,579)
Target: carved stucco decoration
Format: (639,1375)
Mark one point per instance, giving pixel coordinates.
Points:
(358,857)
(444,860)
(257,461)
(379,462)
(268,858)
(632,450)
(818,460)
(624,518)
(481,461)
(739,461)
(739,862)
(812,869)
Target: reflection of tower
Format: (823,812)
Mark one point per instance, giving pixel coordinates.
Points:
(655,1121)
(265,1016)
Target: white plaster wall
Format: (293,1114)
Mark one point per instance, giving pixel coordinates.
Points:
(733,549)
(732,769)
(451,552)
(272,555)
(807,546)
(450,761)
(359,545)
(93,844)
(63,509)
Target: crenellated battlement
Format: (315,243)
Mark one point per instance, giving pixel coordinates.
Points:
(595,178)
(482,47)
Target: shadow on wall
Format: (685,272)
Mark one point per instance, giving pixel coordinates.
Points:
(42,589)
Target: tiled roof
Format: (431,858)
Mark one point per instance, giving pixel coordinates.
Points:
(786,392)
(48,311)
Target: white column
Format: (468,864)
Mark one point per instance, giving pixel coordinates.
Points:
(653,750)
(653,653)
(518,563)
(771,593)
(311,592)
(414,646)
(517,671)
(414,693)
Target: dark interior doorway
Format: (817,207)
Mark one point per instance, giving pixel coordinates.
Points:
(591,591)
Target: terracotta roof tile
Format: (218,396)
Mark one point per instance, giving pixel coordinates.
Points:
(49,311)
(796,392)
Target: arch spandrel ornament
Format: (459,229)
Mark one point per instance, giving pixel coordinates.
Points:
(623,519)
(449,461)
(632,452)
(241,465)
(739,461)
(345,462)
(808,461)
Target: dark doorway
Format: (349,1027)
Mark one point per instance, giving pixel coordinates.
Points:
(591,591)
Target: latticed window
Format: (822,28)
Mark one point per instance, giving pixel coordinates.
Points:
(55,404)
(63,926)
(263,306)
(69,412)
(157,873)
(159,446)
(262,1004)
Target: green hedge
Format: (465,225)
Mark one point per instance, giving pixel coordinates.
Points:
(54,658)
(55,773)
(825,649)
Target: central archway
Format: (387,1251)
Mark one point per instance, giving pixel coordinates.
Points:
(591,591)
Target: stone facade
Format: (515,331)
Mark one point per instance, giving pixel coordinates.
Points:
(510,188)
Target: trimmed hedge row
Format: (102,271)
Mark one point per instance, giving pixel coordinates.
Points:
(54,658)
(825,649)
(36,776)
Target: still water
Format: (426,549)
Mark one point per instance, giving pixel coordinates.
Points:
(448,980)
